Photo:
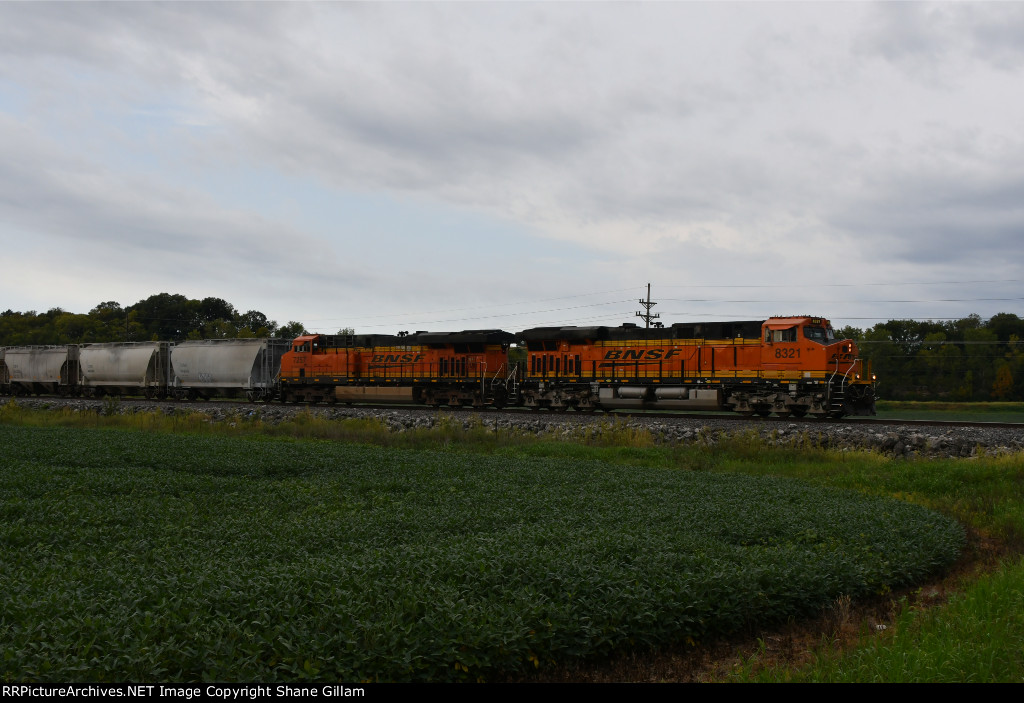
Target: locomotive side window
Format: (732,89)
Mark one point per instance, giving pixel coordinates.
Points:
(821,335)
(787,335)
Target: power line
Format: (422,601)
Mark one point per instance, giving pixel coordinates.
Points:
(850,285)
(488,307)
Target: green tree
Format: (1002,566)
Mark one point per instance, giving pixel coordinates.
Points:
(1002,389)
(291,330)
(849,332)
(164,316)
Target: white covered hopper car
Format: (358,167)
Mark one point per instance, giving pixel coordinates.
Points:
(227,367)
(125,368)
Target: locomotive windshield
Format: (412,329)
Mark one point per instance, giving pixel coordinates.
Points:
(821,335)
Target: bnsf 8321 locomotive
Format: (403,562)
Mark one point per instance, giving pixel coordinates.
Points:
(786,365)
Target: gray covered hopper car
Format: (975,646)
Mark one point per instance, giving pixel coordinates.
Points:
(227,367)
(125,368)
(51,370)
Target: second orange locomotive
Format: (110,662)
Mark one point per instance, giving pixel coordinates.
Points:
(431,368)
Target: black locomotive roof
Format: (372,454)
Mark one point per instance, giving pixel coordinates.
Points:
(572,334)
(464,337)
(747,329)
(394,340)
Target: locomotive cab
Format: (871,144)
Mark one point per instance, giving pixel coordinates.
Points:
(805,352)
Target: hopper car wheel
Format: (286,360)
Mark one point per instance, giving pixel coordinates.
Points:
(783,413)
(251,396)
(148,393)
(799,412)
(764,413)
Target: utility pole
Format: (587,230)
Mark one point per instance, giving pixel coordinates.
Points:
(647,306)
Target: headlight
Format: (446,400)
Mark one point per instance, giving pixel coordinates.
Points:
(874,377)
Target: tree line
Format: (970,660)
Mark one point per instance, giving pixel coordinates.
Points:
(956,360)
(159,317)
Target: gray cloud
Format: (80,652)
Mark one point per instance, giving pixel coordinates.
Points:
(140,224)
(753,135)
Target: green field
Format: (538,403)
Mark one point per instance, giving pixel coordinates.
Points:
(153,556)
(154,547)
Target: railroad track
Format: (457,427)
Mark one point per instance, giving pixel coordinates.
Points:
(808,422)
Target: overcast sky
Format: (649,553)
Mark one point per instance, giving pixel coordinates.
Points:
(391,166)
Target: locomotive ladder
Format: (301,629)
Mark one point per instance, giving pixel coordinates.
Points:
(509,382)
(837,396)
(837,391)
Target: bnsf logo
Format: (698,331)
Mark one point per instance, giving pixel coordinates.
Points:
(397,358)
(638,354)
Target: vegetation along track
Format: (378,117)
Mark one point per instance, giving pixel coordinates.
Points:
(891,437)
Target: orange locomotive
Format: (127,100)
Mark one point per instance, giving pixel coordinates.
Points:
(433,368)
(786,365)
